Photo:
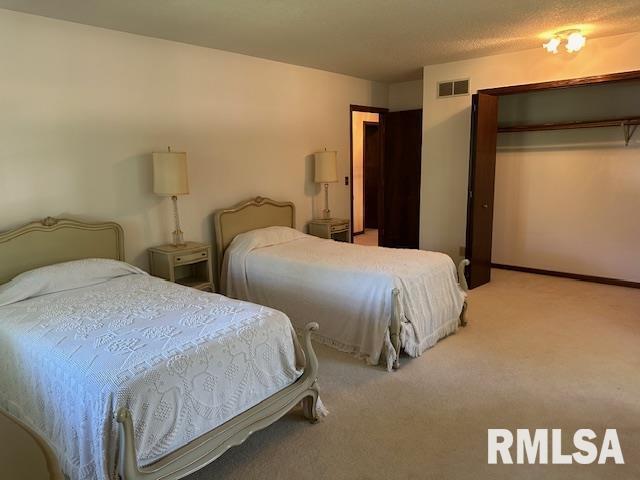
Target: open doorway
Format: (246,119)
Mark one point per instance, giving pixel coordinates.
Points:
(366,157)
(385,176)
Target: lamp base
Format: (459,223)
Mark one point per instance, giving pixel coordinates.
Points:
(178,238)
(326,213)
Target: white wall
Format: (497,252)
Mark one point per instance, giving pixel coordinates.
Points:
(445,140)
(84,107)
(568,200)
(405,96)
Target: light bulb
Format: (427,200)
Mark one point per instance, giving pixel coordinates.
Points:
(575,41)
(552,45)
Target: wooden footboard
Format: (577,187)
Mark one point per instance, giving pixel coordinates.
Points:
(394,327)
(205,449)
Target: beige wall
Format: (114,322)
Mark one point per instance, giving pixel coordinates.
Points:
(84,107)
(445,141)
(569,200)
(358,163)
(405,96)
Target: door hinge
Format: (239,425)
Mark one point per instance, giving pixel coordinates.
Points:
(470,193)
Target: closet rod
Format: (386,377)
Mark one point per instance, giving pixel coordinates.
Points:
(614,122)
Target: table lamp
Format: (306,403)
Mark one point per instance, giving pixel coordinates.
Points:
(170,179)
(326,172)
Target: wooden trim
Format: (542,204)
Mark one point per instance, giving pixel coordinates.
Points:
(573,82)
(613,122)
(468,239)
(362,108)
(351,231)
(574,276)
(382,125)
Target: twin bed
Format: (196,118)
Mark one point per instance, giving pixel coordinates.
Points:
(127,375)
(371,302)
(123,373)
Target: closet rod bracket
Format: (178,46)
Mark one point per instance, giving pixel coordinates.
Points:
(629,130)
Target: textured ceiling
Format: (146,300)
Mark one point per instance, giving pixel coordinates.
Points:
(386,40)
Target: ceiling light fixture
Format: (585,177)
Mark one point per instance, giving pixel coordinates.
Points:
(575,42)
(552,45)
(573,38)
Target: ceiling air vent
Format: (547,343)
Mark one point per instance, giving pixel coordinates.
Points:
(452,88)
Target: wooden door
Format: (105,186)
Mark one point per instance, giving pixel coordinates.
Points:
(401,167)
(371,160)
(482,172)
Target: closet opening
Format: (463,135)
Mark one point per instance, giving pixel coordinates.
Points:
(553,180)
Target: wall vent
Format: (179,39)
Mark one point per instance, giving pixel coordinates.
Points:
(453,88)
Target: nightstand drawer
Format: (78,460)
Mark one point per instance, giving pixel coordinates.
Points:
(188,265)
(191,257)
(332,228)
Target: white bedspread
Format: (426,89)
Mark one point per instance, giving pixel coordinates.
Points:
(181,360)
(347,289)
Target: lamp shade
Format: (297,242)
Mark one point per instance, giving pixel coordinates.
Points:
(170,173)
(326,168)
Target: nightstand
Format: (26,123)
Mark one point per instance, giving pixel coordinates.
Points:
(333,228)
(188,265)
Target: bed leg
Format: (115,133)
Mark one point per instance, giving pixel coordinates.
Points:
(394,328)
(463,318)
(310,403)
(310,406)
(462,280)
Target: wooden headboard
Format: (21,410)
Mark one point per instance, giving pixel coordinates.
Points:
(258,212)
(55,240)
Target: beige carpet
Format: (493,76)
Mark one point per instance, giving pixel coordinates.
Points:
(539,352)
(369,237)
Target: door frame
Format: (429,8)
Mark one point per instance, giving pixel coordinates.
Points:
(381,118)
(532,87)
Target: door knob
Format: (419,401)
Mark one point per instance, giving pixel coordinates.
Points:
(484,205)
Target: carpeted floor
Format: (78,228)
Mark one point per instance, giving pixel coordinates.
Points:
(539,352)
(369,237)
